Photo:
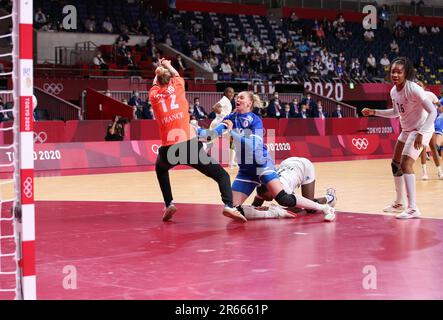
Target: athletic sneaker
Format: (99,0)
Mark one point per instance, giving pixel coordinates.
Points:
(331,192)
(394,208)
(280,212)
(409,214)
(169,212)
(425,177)
(233,213)
(329,213)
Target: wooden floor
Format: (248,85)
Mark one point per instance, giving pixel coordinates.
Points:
(362,186)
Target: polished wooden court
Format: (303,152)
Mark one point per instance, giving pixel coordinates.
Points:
(363,186)
(103,234)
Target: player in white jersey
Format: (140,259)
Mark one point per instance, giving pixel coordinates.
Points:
(223,108)
(293,173)
(432,142)
(417,114)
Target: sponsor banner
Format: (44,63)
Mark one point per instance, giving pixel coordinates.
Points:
(83,155)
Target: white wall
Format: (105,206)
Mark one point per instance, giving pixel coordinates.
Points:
(47,41)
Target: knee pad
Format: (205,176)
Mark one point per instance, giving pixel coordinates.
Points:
(396,169)
(286,200)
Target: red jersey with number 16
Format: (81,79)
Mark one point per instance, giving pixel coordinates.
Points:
(171,111)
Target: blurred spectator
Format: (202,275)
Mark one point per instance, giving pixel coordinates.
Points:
(214,62)
(196,54)
(309,102)
(423,30)
(168,40)
(385,15)
(100,62)
(371,64)
(215,48)
(435,30)
(90,24)
(199,111)
(205,64)
(369,35)
(408,24)
(107,25)
(294,107)
(304,113)
(135,99)
(39,18)
(394,46)
(286,114)
(385,63)
(320,113)
(179,64)
(274,109)
(293,21)
(225,66)
(337,113)
(139,28)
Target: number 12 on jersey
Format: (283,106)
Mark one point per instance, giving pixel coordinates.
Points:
(172,106)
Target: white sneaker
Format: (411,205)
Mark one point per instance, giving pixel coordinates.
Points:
(234,214)
(332,193)
(329,213)
(394,208)
(280,212)
(169,212)
(425,177)
(409,214)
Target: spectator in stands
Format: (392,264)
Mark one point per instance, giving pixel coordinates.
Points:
(255,43)
(394,46)
(262,51)
(304,112)
(356,71)
(214,62)
(320,35)
(196,54)
(39,18)
(422,30)
(199,111)
(385,63)
(371,64)
(179,64)
(107,25)
(90,24)
(309,102)
(337,113)
(215,48)
(330,67)
(286,114)
(237,43)
(100,62)
(274,109)
(130,63)
(320,113)
(385,15)
(303,48)
(219,32)
(293,21)
(206,65)
(340,71)
(408,24)
(168,40)
(135,99)
(226,67)
(291,66)
(197,30)
(435,30)
(139,28)
(245,50)
(369,35)
(294,107)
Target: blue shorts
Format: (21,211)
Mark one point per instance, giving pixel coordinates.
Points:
(250,176)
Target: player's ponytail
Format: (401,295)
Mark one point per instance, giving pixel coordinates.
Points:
(256,101)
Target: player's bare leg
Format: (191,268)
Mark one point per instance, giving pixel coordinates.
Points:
(407,166)
(398,205)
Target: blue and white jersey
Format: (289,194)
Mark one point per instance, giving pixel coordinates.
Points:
(248,136)
(439,124)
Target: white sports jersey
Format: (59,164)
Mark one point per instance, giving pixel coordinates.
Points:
(432,97)
(411,104)
(294,172)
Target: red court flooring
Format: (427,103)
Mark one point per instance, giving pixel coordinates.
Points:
(122,250)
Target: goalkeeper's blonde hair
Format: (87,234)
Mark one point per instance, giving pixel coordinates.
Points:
(163,75)
(255,98)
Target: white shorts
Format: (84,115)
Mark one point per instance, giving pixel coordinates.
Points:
(408,138)
(294,175)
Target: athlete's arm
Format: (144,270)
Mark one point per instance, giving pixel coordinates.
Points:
(217,131)
(217,108)
(432,114)
(388,113)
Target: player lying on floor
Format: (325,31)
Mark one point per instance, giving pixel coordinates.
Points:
(293,173)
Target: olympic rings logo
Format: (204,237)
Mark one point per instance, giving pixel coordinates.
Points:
(27,187)
(360,143)
(154,148)
(53,88)
(40,137)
